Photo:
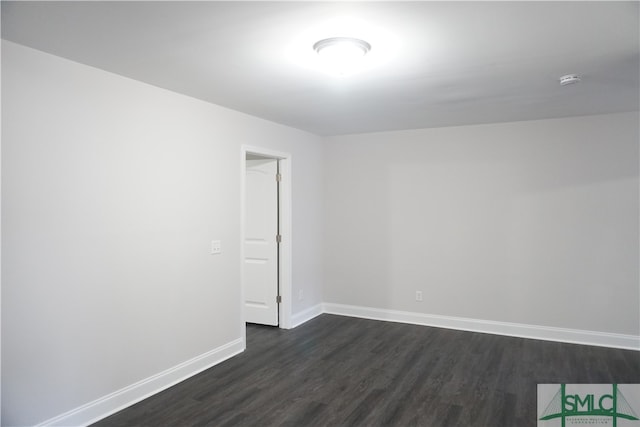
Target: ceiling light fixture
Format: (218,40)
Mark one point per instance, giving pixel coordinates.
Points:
(342,54)
(569,79)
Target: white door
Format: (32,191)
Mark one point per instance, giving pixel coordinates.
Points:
(260,245)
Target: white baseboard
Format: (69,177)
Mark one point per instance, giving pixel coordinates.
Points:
(573,336)
(118,400)
(306,315)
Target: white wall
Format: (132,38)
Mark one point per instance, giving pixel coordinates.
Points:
(112,191)
(530,222)
(308,232)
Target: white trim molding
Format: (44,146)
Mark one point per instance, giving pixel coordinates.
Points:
(134,393)
(547,333)
(306,315)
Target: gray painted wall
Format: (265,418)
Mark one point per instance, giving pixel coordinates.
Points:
(112,192)
(529,222)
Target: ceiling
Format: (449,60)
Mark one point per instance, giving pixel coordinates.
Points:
(435,63)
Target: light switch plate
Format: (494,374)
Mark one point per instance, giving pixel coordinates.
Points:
(216,247)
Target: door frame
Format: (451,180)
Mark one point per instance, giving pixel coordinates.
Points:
(284,256)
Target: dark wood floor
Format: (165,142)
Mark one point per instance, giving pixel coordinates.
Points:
(341,371)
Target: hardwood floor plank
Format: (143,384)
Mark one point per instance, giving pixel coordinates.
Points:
(340,371)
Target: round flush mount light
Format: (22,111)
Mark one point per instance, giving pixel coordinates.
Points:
(342,46)
(341,54)
(569,79)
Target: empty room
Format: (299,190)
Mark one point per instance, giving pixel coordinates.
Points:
(308,213)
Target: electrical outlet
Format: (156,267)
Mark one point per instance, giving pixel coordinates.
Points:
(418,295)
(216,247)
(300,295)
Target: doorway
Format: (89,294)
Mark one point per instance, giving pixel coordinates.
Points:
(265,237)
